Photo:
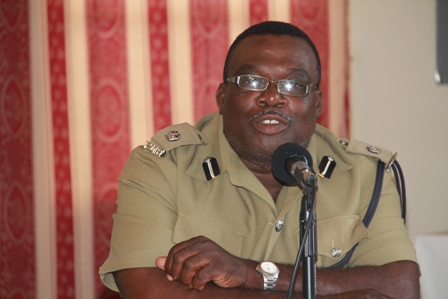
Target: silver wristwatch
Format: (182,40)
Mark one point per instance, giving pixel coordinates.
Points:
(270,273)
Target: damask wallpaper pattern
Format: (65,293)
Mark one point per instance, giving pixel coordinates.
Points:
(183,44)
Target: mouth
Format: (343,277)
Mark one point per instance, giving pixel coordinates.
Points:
(270,122)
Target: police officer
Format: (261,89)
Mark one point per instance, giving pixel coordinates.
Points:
(200,213)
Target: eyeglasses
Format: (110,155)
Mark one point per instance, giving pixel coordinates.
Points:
(259,83)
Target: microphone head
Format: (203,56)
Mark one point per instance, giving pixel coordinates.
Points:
(281,156)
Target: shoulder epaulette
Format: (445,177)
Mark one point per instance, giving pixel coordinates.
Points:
(359,147)
(172,137)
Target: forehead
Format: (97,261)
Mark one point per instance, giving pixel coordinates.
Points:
(273,53)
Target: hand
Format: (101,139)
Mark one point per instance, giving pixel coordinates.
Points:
(200,260)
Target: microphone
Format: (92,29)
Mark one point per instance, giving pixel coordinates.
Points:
(292,163)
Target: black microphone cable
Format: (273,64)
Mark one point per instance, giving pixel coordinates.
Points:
(282,170)
(301,248)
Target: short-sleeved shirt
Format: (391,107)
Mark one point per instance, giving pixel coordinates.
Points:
(165,197)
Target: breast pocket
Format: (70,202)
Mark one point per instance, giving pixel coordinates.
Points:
(336,236)
(188,227)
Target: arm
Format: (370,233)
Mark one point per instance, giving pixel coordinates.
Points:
(397,280)
(142,283)
(190,265)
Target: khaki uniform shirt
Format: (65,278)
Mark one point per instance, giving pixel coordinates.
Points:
(165,200)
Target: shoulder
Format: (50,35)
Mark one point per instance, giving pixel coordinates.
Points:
(161,152)
(349,149)
(181,135)
(173,137)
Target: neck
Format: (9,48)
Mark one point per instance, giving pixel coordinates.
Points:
(266,178)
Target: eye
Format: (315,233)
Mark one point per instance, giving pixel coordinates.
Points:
(295,87)
(250,79)
(251,82)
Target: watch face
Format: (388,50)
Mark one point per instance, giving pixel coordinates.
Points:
(269,267)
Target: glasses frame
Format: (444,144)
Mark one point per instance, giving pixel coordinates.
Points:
(236,80)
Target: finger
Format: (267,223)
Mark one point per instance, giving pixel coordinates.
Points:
(191,268)
(202,277)
(160,262)
(186,263)
(180,253)
(173,251)
(221,275)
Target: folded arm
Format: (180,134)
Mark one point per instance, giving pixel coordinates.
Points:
(143,283)
(199,268)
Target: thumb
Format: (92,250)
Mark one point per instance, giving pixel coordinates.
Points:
(160,263)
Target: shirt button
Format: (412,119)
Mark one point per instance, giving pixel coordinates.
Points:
(336,252)
(343,142)
(279,225)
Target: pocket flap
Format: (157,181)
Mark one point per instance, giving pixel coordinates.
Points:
(336,236)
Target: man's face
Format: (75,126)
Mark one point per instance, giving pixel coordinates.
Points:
(257,122)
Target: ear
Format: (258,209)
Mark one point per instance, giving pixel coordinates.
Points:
(220,96)
(318,103)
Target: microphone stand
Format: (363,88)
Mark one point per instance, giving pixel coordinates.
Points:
(308,217)
(297,162)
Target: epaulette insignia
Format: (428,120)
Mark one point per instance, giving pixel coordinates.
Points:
(373,149)
(150,147)
(359,147)
(172,135)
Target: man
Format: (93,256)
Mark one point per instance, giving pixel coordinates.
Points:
(199,207)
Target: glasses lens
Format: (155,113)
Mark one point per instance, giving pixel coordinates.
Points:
(292,88)
(253,82)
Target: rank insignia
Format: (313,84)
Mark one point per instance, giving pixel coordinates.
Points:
(326,167)
(374,150)
(172,136)
(211,168)
(150,147)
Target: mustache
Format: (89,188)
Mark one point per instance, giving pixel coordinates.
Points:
(265,112)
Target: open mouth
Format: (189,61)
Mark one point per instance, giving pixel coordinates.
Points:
(271,122)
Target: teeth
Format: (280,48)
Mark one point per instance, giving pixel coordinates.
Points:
(270,121)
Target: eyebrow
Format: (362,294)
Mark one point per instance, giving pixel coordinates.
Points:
(295,71)
(301,72)
(248,67)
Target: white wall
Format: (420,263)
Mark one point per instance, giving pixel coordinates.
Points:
(396,103)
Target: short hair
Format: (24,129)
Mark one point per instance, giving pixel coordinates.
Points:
(275,28)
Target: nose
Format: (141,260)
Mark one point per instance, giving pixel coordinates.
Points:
(271,96)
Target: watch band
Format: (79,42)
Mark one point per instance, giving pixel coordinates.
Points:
(270,273)
(269,283)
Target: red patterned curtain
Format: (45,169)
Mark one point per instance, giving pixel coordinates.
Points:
(82,83)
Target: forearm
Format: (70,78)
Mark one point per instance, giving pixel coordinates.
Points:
(397,280)
(199,268)
(152,283)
